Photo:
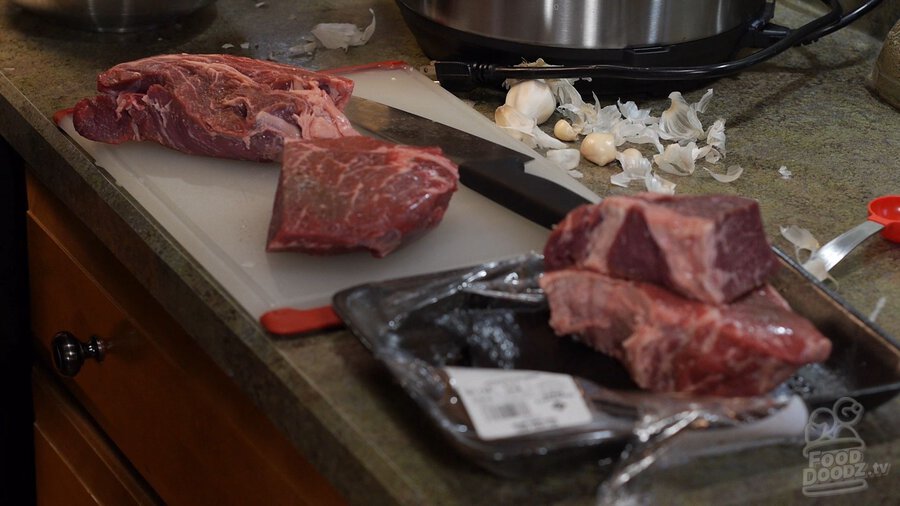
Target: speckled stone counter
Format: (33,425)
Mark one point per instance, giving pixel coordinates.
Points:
(809,109)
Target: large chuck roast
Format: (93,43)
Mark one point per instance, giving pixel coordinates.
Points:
(708,248)
(675,288)
(214,105)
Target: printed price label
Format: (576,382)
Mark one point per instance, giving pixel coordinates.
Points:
(505,403)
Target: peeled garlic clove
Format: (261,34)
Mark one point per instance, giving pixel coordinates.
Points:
(563,131)
(599,147)
(533,99)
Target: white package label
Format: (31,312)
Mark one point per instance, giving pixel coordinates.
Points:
(507,403)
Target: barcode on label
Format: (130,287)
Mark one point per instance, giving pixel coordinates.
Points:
(504,411)
(510,403)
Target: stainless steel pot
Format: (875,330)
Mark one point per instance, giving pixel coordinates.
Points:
(114,15)
(589,24)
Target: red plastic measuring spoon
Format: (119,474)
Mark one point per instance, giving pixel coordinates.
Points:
(884,216)
(886,211)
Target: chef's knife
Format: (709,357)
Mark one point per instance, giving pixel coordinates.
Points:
(490,169)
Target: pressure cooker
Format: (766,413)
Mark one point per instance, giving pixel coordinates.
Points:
(629,41)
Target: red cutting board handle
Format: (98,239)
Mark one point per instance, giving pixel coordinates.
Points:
(290,321)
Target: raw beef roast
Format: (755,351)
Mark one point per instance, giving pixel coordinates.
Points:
(215,105)
(355,193)
(708,248)
(673,344)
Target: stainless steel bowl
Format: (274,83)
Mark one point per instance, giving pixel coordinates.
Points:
(114,15)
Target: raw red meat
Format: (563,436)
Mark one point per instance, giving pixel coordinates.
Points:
(673,344)
(358,193)
(711,248)
(215,105)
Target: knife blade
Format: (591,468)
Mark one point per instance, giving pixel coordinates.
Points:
(494,171)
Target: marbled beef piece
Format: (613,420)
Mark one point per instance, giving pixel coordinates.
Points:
(673,344)
(711,248)
(214,105)
(358,193)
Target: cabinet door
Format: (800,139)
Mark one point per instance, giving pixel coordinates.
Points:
(180,421)
(74,463)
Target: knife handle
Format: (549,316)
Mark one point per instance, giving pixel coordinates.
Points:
(505,182)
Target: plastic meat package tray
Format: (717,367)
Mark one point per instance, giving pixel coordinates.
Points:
(428,329)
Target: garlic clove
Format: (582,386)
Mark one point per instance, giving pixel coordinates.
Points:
(599,147)
(513,122)
(563,131)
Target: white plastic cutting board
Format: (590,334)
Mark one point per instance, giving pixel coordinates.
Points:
(219,210)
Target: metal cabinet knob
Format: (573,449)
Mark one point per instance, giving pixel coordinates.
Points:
(69,353)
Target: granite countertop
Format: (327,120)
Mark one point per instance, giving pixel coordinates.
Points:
(808,109)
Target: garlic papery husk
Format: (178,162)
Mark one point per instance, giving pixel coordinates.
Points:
(879,305)
(544,140)
(343,35)
(563,131)
(307,47)
(715,136)
(588,118)
(599,147)
(708,153)
(801,238)
(677,159)
(532,98)
(565,92)
(816,268)
(635,167)
(567,160)
(731,174)
(604,120)
(680,122)
(636,133)
(632,113)
(656,184)
(524,129)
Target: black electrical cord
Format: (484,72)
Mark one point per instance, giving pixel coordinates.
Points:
(845,20)
(459,75)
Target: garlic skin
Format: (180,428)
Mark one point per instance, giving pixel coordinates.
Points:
(524,129)
(563,131)
(599,147)
(566,159)
(343,35)
(516,124)
(680,122)
(656,184)
(801,238)
(731,174)
(635,167)
(679,160)
(532,98)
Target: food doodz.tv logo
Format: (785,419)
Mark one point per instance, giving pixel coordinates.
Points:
(836,452)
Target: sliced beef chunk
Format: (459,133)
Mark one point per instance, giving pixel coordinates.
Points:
(358,193)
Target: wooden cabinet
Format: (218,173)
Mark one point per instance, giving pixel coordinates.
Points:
(74,462)
(163,405)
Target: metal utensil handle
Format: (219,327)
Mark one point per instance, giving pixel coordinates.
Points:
(840,246)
